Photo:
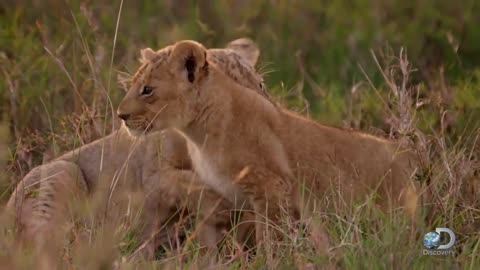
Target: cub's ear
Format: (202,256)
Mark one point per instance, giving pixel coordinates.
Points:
(147,55)
(246,48)
(188,59)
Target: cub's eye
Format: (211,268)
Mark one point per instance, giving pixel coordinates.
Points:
(147,90)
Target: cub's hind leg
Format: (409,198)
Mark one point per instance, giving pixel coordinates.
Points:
(40,201)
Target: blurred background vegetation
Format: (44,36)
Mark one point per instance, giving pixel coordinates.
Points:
(60,61)
(336,61)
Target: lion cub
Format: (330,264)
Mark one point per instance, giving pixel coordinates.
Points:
(157,164)
(250,150)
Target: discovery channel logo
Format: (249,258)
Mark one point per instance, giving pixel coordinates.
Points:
(432,241)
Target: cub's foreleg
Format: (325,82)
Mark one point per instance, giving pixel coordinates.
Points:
(219,218)
(271,197)
(215,217)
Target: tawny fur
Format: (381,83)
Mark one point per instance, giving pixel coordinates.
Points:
(251,150)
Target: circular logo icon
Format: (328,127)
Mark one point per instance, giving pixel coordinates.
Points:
(431,240)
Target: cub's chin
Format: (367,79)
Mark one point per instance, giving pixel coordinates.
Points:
(136,132)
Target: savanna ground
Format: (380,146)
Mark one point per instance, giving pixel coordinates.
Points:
(399,69)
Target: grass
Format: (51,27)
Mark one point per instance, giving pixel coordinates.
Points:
(342,62)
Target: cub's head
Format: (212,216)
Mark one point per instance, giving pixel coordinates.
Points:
(166,84)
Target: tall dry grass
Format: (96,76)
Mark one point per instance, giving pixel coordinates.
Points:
(59,63)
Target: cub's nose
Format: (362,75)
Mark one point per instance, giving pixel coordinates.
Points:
(124,116)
